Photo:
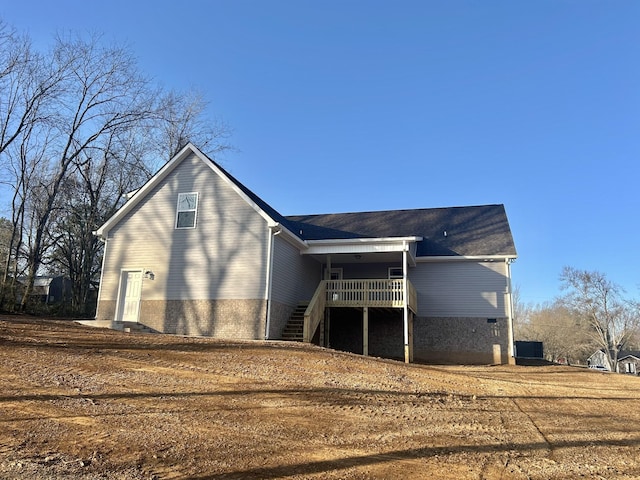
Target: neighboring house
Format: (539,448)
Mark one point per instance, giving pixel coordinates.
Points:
(628,361)
(49,289)
(599,359)
(195,252)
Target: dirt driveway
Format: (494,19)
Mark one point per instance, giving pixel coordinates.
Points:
(77,402)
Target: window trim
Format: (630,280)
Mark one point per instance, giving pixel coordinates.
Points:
(181,210)
(334,270)
(395,277)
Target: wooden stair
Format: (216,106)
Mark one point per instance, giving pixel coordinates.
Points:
(294,329)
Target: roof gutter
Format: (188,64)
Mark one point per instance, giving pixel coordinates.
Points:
(359,241)
(467,258)
(288,235)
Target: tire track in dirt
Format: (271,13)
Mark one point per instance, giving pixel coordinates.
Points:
(550,446)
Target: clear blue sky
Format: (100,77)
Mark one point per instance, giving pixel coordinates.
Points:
(343,105)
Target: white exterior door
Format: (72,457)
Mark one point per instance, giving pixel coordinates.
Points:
(130,289)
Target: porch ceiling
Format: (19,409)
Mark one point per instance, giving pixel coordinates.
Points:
(364,250)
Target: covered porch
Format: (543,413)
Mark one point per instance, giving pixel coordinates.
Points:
(395,292)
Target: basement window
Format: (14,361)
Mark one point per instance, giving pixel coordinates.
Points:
(187,209)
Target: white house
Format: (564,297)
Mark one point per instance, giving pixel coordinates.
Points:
(195,252)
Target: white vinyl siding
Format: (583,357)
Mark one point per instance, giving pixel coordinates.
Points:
(460,289)
(224,258)
(363,270)
(295,277)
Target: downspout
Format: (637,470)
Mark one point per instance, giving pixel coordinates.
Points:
(273,231)
(510,339)
(405,307)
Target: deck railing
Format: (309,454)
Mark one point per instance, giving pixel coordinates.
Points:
(314,313)
(384,293)
(365,293)
(412,299)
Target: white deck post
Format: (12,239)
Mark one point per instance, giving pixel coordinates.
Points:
(407,347)
(511,355)
(326,341)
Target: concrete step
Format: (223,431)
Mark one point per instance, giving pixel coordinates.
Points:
(136,327)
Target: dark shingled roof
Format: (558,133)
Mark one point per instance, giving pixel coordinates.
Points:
(264,206)
(470,231)
(626,353)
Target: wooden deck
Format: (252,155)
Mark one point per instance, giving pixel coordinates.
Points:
(381,293)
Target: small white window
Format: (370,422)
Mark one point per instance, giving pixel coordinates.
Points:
(187,210)
(395,272)
(335,274)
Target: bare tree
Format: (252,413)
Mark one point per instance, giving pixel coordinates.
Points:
(80,126)
(25,164)
(27,85)
(56,109)
(521,314)
(181,119)
(563,334)
(93,193)
(5,239)
(600,304)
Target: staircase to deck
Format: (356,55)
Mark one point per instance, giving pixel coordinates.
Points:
(294,329)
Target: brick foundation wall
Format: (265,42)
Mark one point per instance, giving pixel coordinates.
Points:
(106,310)
(241,319)
(461,340)
(280,314)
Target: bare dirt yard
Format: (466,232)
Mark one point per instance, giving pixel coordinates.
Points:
(84,403)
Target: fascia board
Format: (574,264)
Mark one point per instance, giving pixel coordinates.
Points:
(465,258)
(626,356)
(360,245)
(351,248)
(358,241)
(289,236)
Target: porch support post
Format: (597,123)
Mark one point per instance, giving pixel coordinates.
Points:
(411,319)
(327,311)
(365,331)
(408,347)
(511,355)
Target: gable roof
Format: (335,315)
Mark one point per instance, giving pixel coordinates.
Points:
(628,353)
(259,205)
(622,354)
(456,231)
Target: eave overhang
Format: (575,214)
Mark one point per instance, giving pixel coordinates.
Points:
(466,258)
(359,246)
